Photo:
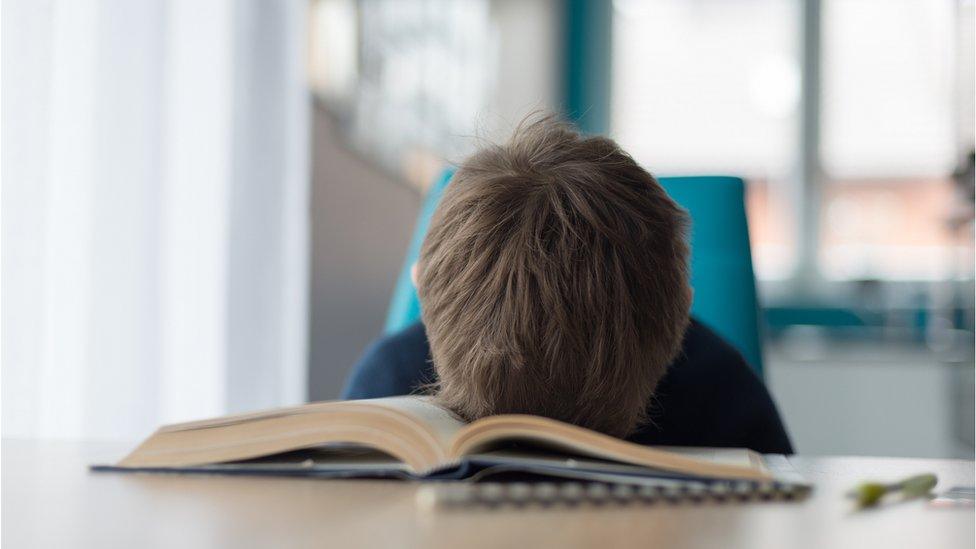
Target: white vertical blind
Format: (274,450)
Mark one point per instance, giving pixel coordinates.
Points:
(65,293)
(198,148)
(154,212)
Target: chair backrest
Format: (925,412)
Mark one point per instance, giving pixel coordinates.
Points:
(721,260)
(404,305)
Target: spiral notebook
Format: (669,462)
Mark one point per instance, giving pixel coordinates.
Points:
(584,484)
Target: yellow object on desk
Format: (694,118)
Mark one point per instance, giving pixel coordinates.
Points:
(869,494)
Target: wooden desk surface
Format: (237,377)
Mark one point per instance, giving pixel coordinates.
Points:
(49,499)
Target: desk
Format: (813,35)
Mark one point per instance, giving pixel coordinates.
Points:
(50,500)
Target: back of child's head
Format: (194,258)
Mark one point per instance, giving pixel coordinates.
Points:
(554,281)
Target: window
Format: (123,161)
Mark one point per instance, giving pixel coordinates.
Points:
(713,87)
(892,135)
(702,87)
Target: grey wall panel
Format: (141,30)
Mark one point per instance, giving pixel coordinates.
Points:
(361,224)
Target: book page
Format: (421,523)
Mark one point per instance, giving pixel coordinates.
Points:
(441,423)
(422,409)
(738,457)
(411,428)
(493,432)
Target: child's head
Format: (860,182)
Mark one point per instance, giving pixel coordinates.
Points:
(554,281)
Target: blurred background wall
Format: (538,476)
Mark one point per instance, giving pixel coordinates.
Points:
(360,230)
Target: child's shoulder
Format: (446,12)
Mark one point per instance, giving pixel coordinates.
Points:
(395,364)
(704,352)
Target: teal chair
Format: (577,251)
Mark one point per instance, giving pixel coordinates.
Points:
(721,260)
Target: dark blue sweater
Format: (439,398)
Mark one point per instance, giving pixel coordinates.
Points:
(709,397)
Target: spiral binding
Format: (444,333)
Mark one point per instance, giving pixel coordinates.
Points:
(493,494)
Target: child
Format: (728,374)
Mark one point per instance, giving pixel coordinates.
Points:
(554,281)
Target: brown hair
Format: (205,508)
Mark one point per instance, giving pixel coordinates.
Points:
(554,281)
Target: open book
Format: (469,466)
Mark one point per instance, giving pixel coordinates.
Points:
(412,437)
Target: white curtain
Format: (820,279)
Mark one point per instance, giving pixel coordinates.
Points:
(154,212)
